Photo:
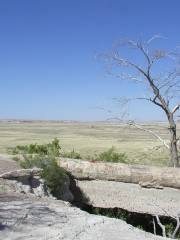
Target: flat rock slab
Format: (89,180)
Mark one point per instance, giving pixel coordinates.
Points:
(131,197)
(21,173)
(32,219)
(7,164)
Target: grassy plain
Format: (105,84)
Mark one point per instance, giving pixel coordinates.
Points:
(90,138)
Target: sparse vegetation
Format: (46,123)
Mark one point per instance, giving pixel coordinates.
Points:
(54,177)
(140,147)
(71,154)
(139,220)
(112,213)
(49,149)
(112,156)
(43,156)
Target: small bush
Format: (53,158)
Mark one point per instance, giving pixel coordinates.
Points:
(71,154)
(54,177)
(37,160)
(43,156)
(52,149)
(111,156)
(52,174)
(170,227)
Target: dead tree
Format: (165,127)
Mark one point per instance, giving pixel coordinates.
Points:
(163,88)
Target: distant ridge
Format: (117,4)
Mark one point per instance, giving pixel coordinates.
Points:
(76,121)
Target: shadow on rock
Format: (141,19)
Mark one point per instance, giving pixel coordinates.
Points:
(80,199)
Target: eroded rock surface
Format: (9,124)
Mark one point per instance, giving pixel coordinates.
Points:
(27,181)
(7,164)
(29,218)
(131,197)
(24,216)
(119,172)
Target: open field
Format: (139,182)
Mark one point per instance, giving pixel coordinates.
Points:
(90,138)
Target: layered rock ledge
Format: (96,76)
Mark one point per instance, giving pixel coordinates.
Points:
(25,217)
(135,188)
(28,212)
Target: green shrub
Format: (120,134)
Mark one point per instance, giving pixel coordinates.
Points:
(71,154)
(52,174)
(43,156)
(111,213)
(54,177)
(52,148)
(170,227)
(37,160)
(111,156)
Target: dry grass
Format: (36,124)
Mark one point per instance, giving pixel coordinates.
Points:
(89,138)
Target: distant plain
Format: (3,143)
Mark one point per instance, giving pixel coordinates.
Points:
(90,138)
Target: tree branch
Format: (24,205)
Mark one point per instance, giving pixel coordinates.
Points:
(177,227)
(175,108)
(149,131)
(161,226)
(154,226)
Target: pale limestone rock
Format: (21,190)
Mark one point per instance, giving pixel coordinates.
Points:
(29,218)
(28,181)
(131,197)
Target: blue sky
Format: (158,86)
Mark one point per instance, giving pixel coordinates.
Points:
(48,68)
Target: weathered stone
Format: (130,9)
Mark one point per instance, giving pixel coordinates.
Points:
(131,197)
(32,219)
(25,181)
(7,164)
(28,181)
(119,172)
(24,216)
(66,194)
(21,173)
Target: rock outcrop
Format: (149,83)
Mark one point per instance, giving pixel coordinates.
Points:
(28,218)
(29,181)
(140,189)
(131,197)
(28,211)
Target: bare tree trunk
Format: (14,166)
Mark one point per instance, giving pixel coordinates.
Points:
(173,142)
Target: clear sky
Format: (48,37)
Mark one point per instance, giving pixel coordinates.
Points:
(48,68)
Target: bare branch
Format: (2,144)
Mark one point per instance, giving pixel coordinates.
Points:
(177,227)
(161,226)
(149,131)
(126,63)
(127,76)
(154,226)
(173,235)
(175,108)
(154,38)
